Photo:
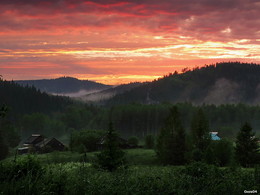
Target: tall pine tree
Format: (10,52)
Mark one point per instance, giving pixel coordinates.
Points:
(171,145)
(200,135)
(3,146)
(112,156)
(246,146)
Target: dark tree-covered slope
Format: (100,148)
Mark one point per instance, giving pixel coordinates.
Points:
(21,100)
(230,82)
(64,85)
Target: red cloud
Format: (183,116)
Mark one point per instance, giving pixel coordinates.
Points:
(44,30)
(241,16)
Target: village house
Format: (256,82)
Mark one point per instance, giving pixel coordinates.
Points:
(40,144)
(214,136)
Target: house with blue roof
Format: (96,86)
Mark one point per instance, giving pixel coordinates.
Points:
(214,136)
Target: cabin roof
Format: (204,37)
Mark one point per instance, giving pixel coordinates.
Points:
(33,138)
(47,141)
(214,135)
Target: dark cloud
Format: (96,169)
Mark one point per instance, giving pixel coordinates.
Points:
(201,19)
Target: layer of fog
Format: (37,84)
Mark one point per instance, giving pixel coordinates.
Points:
(96,97)
(77,94)
(224,92)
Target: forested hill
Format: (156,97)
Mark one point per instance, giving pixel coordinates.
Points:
(222,83)
(22,100)
(64,85)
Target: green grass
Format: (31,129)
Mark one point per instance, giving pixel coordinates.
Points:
(141,157)
(133,156)
(83,178)
(66,173)
(53,157)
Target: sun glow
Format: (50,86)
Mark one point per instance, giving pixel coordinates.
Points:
(205,50)
(118,79)
(122,41)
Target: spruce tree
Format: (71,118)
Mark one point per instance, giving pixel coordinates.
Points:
(246,146)
(149,141)
(200,135)
(112,156)
(3,146)
(3,111)
(171,145)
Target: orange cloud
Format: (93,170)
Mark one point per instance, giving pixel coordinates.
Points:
(120,41)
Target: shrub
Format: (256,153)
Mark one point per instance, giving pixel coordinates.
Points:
(79,178)
(55,179)
(257,174)
(223,151)
(22,167)
(219,152)
(86,138)
(133,141)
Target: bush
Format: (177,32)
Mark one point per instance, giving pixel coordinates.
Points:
(55,179)
(22,167)
(79,178)
(223,151)
(257,174)
(133,141)
(219,153)
(85,140)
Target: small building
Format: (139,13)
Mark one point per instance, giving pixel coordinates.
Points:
(23,150)
(40,144)
(214,136)
(49,145)
(34,139)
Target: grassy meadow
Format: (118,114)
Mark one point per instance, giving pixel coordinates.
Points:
(74,173)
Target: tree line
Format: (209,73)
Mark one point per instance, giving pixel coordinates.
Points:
(28,99)
(130,120)
(136,119)
(175,146)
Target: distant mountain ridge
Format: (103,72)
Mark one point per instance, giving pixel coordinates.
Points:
(222,83)
(64,85)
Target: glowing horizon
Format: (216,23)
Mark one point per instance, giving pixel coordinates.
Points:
(115,41)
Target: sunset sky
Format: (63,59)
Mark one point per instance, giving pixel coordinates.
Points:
(113,41)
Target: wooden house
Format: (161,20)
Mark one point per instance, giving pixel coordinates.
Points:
(23,150)
(34,139)
(37,143)
(49,145)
